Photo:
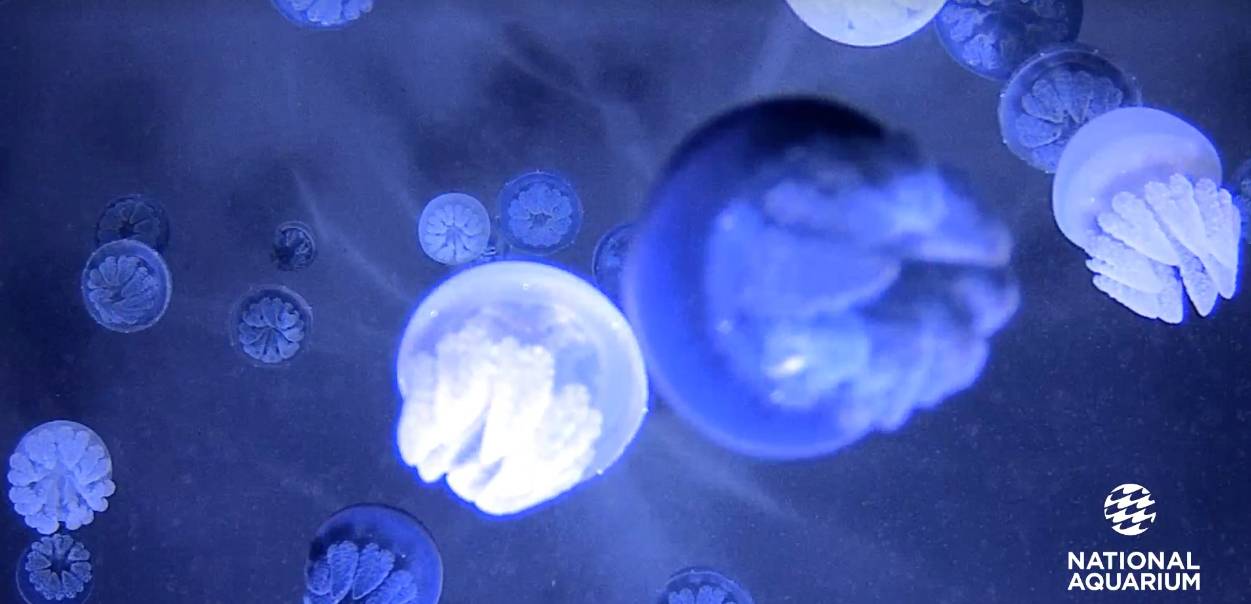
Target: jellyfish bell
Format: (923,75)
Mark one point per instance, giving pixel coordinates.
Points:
(60,475)
(866,22)
(454,228)
(698,585)
(323,14)
(374,554)
(57,568)
(540,213)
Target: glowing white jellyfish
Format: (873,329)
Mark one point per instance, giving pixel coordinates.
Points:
(866,22)
(519,381)
(1137,190)
(60,473)
(454,228)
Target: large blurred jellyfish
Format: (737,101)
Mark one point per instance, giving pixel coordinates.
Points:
(126,286)
(294,247)
(540,213)
(138,217)
(270,325)
(866,22)
(803,278)
(55,569)
(609,259)
(1054,94)
(1240,186)
(519,380)
(60,473)
(454,228)
(323,14)
(702,586)
(993,37)
(1137,190)
(373,554)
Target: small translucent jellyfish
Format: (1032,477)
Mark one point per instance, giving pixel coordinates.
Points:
(323,14)
(136,217)
(540,213)
(126,286)
(373,554)
(520,380)
(454,228)
(497,248)
(1053,94)
(609,259)
(993,37)
(702,586)
(1137,190)
(1240,187)
(270,325)
(802,278)
(55,569)
(866,22)
(60,472)
(294,246)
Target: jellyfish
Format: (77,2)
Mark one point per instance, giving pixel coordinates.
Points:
(540,213)
(520,380)
(1240,187)
(55,569)
(1137,190)
(991,38)
(454,228)
(270,325)
(702,586)
(323,14)
(866,22)
(294,246)
(126,286)
(373,554)
(136,217)
(803,278)
(609,259)
(1056,92)
(60,473)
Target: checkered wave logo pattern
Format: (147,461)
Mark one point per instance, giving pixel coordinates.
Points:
(1129,509)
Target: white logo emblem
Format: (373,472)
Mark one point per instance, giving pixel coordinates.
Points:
(1128,508)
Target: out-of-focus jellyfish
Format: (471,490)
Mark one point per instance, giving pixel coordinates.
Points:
(1240,186)
(866,22)
(803,278)
(1054,94)
(609,259)
(993,37)
(454,228)
(540,213)
(702,586)
(323,14)
(55,569)
(270,325)
(60,473)
(373,554)
(294,247)
(519,380)
(1137,190)
(136,217)
(126,286)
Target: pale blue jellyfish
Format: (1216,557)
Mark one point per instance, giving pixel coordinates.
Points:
(138,217)
(993,37)
(55,569)
(373,554)
(1137,189)
(270,325)
(126,286)
(519,381)
(866,22)
(540,213)
(294,247)
(454,228)
(323,14)
(609,259)
(1054,94)
(802,278)
(60,474)
(702,586)
(1240,187)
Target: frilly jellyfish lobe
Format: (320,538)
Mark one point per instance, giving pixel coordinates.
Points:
(609,259)
(993,37)
(866,22)
(1240,187)
(55,569)
(802,279)
(294,247)
(1054,94)
(1137,190)
(373,554)
(126,286)
(540,213)
(60,472)
(136,217)
(270,325)
(323,14)
(519,381)
(703,586)
(454,228)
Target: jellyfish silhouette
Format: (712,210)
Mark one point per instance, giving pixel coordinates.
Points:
(1054,94)
(137,217)
(519,380)
(454,228)
(55,569)
(540,213)
(323,14)
(802,278)
(294,247)
(702,586)
(609,259)
(866,22)
(270,325)
(1137,190)
(60,473)
(126,286)
(993,37)
(373,554)
(1240,187)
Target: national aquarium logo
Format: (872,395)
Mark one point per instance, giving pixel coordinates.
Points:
(1128,508)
